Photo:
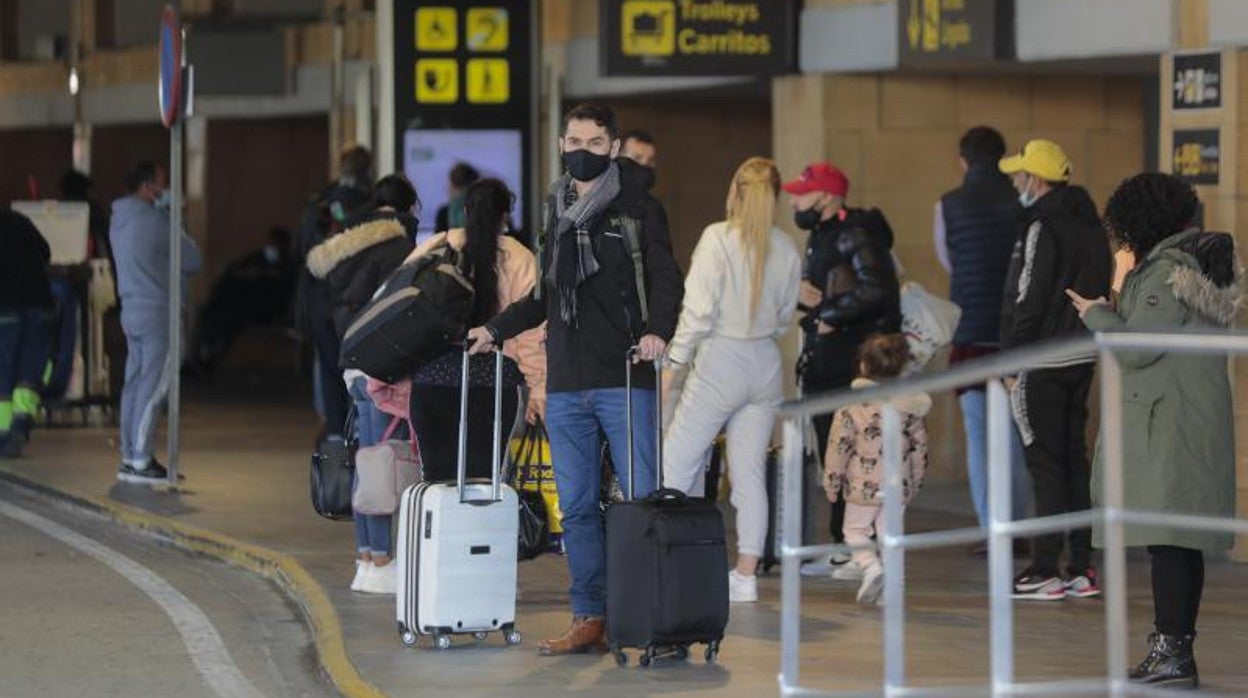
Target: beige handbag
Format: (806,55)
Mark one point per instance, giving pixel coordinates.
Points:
(382,473)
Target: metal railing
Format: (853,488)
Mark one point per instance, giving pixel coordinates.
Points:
(1001,531)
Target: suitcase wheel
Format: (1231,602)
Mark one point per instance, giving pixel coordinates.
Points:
(409,638)
(442,642)
(644,659)
(513,636)
(712,652)
(621,658)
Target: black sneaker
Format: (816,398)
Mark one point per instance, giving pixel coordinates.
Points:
(152,474)
(1039,587)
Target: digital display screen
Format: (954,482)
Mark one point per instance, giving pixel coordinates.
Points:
(429,155)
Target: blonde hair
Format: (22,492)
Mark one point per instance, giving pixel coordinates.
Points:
(751,209)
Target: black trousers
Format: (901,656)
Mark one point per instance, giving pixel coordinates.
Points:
(1178,581)
(435,416)
(333,390)
(829,363)
(1052,413)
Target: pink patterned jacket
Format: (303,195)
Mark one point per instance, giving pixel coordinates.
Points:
(854,463)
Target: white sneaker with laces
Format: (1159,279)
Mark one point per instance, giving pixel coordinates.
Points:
(742,588)
(380,579)
(361,571)
(872,585)
(848,572)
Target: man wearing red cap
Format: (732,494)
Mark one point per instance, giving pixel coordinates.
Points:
(849,291)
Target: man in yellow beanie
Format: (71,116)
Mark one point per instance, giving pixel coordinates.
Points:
(1063,246)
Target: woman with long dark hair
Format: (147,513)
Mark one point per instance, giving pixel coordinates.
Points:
(502,271)
(1178,415)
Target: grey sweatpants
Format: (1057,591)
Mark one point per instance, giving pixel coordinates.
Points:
(734,383)
(147,381)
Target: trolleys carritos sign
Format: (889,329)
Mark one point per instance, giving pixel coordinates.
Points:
(698,37)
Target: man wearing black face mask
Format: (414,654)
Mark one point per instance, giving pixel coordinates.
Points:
(599,219)
(849,291)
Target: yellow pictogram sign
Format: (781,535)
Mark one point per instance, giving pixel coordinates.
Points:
(486,29)
(489,81)
(648,27)
(437,81)
(436,29)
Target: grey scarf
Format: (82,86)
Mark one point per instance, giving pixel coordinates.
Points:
(572,250)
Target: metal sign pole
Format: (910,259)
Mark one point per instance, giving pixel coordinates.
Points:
(175,295)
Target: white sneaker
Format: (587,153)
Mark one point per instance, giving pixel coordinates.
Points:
(742,588)
(848,572)
(872,585)
(380,579)
(361,571)
(824,566)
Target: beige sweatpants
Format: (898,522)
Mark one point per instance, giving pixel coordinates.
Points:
(733,383)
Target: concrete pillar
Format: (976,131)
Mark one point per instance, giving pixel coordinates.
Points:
(798,138)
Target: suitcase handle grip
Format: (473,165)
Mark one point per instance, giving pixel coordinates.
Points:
(658,417)
(496,450)
(667,493)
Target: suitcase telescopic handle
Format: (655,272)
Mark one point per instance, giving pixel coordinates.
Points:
(658,418)
(461,478)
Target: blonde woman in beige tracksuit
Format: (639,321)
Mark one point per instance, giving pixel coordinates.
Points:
(740,296)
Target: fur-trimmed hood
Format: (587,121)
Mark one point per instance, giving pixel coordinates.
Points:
(329,254)
(1208,276)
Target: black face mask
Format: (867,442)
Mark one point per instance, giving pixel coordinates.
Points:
(585,166)
(808,219)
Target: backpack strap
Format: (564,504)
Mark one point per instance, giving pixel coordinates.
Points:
(630,227)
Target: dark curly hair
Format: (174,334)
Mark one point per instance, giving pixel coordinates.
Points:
(1148,208)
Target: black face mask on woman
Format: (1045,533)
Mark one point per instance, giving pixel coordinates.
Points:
(808,219)
(585,166)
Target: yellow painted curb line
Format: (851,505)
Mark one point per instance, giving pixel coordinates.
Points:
(289,575)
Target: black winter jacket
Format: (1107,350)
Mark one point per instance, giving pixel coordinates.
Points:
(849,258)
(1062,247)
(355,262)
(24,259)
(591,355)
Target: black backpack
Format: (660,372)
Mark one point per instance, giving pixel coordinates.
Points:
(419,312)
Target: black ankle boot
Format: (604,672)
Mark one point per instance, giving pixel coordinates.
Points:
(1170,662)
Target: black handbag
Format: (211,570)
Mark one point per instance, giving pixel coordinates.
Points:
(534,533)
(333,470)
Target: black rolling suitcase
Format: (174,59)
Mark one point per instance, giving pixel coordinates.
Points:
(667,568)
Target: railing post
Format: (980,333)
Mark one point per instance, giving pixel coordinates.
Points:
(1114,581)
(1000,545)
(894,555)
(790,566)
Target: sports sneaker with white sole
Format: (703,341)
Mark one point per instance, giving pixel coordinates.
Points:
(872,585)
(742,588)
(848,572)
(380,579)
(1083,586)
(1039,587)
(361,571)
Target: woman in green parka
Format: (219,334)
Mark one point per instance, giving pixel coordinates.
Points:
(1179,432)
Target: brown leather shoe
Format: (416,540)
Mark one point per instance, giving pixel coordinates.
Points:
(586,635)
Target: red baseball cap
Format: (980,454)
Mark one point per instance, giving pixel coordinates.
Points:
(821,176)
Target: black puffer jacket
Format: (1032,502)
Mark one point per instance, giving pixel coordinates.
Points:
(1062,247)
(849,258)
(355,262)
(591,355)
(24,259)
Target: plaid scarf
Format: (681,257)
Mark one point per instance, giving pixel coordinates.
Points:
(573,248)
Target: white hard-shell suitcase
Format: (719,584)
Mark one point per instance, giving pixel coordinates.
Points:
(457,548)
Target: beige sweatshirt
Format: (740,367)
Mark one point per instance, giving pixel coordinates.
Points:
(717,291)
(517,272)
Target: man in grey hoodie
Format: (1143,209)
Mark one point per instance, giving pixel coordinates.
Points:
(139,234)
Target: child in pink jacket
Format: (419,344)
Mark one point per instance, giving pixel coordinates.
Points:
(854,463)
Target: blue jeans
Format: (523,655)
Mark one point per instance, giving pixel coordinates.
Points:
(372,531)
(576,422)
(975,420)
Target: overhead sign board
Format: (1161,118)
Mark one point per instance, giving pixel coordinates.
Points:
(1197,155)
(463,74)
(1197,80)
(945,32)
(170,90)
(698,37)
